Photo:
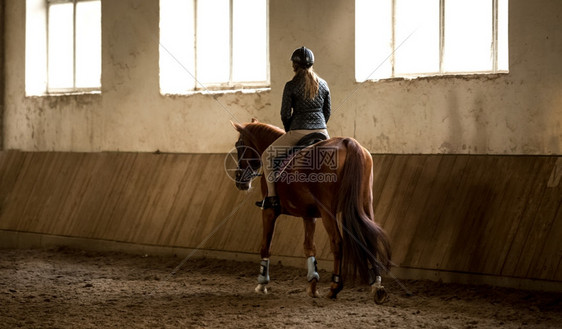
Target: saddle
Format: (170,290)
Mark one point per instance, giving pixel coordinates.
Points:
(280,163)
(306,141)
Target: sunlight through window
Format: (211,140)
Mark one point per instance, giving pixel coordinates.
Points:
(373,40)
(212,44)
(417,22)
(410,38)
(61,44)
(503,49)
(177,51)
(74,46)
(468,36)
(249,57)
(88,48)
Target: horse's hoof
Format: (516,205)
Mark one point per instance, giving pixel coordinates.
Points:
(316,294)
(261,289)
(311,289)
(335,288)
(379,295)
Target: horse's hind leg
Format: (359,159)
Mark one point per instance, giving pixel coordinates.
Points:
(310,252)
(377,289)
(331,226)
(268,220)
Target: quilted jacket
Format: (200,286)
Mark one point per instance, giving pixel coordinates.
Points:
(299,112)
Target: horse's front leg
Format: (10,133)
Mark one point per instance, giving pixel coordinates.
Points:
(310,252)
(268,220)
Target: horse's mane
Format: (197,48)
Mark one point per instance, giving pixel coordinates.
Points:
(263,132)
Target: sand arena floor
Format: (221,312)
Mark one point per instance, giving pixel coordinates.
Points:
(66,288)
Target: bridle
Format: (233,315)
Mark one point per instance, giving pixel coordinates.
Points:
(250,172)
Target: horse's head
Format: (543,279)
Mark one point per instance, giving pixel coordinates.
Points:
(249,161)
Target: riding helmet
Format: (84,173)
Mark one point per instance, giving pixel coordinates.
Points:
(303,56)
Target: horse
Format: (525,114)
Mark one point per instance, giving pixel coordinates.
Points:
(329,178)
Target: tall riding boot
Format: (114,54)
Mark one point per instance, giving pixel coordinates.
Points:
(270,202)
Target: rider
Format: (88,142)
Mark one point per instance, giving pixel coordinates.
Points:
(305,109)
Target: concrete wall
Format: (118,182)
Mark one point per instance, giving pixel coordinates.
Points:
(518,113)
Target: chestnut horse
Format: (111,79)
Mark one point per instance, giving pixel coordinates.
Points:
(331,177)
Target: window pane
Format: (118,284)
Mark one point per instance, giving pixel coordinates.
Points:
(468,36)
(249,40)
(213,41)
(35,47)
(417,29)
(177,54)
(503,49)
(60,39)
(373,43)
(88,44)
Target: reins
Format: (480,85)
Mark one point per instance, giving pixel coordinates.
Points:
(255,172)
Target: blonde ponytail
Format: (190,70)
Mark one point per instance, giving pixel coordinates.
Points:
(311,84)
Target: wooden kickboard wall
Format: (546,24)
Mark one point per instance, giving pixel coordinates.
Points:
(483,214)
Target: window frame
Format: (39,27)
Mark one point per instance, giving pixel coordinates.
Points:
(68,90)
(230,85)
(443,73)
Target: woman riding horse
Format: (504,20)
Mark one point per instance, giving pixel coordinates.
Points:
(305,109)
(337,185)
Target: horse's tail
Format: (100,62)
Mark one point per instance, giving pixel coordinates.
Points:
(364,242)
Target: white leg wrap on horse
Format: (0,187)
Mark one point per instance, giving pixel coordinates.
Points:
(263,277)
(312,269)
(377,283)
(261,288)
(378,292)
(374,277)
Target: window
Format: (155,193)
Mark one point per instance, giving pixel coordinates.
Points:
(412,38)
(67,58)
(213,44)
(74,45)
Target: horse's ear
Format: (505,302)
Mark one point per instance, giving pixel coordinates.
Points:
(237,126)
(254,120)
